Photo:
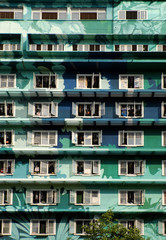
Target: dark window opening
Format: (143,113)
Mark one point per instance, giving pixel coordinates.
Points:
(1,47)
(43,197)
(49,47)
(164,81)
(6,15)
(138,110)
(43,227)
(51,167)
(52,85)
(88,16)
(81,110)
(79,227)
(2,167)
(74,47)
(8,137)
(89,81)
(9,109)
(130,224)
(131,14)
(37,167)
(117,48)
(79,197)
(2,109)
(134,48)
(164,48)
(131,197)
(131,110)
(38,47)
(5,197)
(164,110)
(49,15)
(130,82)
(9,169)
(38,108)
(145,48)
(35,196)
(96,110)
(80,168)
(38,81)
(88,110)
(95,139)
(81,138)
(130,167)
(124,138)
(2,138)
(46,81)
(96,82)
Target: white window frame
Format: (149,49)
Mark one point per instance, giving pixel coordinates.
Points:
(92,107)
(131,190)
(89,192)
(86,48)
(88,166)
(54,105)
(162,109)
(160,47)
(72,225)
(88,75)
(163,169)
(5,166)
(3,225)
(163,202)
(128,132)
(51,10)
(128,47)
(44,162)
(12,137)
(162,80)
(43,75)
(30,136)
(162,138)
(9,193)
(14,10)
(135,167)
(138,223)
(139,76)
(7,80)
(5,106)
(55,195)
(10,47)
(47,227)
(89,135)
(118,109)
(139,13)
(44,47)
(89,10)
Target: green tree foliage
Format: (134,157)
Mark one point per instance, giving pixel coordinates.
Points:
(105,228)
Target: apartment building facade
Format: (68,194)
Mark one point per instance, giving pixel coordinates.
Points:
(82,116)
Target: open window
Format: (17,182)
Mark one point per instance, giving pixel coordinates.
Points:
(42,227)
(131,138)
(76,226)
(88,81)
(45,81)
(42,197)
(129,109)
(43,167)
(49,14)
(11,13)
(85,197)
(40,109)
(163,140)
(131,81)
(131,197)
(163,81)
(132,15)
(87,167)
(7,166)
(42,138)
(87,138)
(88,13)
(6,109)
(131,48)
(89,47)
(46,47)
(88,110)
(5,227)
(131,167)
(6,197)
(6,137)
(131,223)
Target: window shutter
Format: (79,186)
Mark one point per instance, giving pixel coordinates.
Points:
(160,227)
(74,109)
(122,15)
(140,226)
(56,167)
(6,226)
(129,48)
(75,15)
(142,15)
(87,197)
(63,15)
(88,138)
(31,166)
(123,199)
(130,138)
(164,168)
(123,167)
(71,227)
(138,197)
(12,137)
(93,108)
(73,168)
(5,166)
(96,167)
(143,167)
(54,109)
(123,82)
(50,197)
(35,226)
(43,168)
(74,137)
(95,197)
(86,47)
(102,48)
(18,15)
(45,109)
(35,15)
(28,196)
(12,166)
(117,109)
(137,167)
(159,48)
(29,138)
(57,194)
(30,109)
(139,48)
(138,137)
(87,167)
(100,137)
(80,47)
(103,109)
(72,196)
(51,226)
(9,196)
(1,197)
(138,82)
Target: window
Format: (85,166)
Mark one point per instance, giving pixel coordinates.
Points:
(7,166)
(49,14)
(9,47)
(5,227)
(42,197)
(6,109)
(46,47)
(131,197)
(164,167)
(85,197)
(131,138)
(42,138)
(88,110)
(88,13)
(45,81)
(7,13)
(129,109)
(76,227)
(88,47)
(7,80)
(161,48)
(133,223)
(131,167)
(131,81)
(43,227)
(41,109)
(131,48)
(6,137)
(88,81)
(130,15)
(87,168)
(163,81)
(164,197)
(6,197)
(87,138)
(163,138)
(43,167)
